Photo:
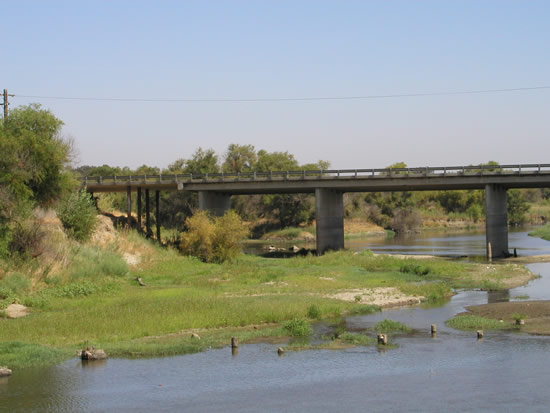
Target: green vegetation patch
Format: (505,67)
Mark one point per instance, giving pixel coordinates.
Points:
(474,322)
(542,232)
(297,327)
(391,326)
(17,355)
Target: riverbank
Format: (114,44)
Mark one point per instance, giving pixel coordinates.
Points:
(535,316)
(250,298)
(542,232)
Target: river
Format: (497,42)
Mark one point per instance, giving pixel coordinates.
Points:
(451,372)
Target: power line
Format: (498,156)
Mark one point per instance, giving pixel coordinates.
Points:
(290,99)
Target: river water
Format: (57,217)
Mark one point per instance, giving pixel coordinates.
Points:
(452,372)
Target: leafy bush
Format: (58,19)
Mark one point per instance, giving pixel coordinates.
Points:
(213,239)
(405,220)
(388,326)
(78,215)
(26,238)
(414,268)
(297,327)
(314,311)
(80,289)
(16,283)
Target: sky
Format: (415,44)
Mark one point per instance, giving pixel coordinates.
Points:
(231,50)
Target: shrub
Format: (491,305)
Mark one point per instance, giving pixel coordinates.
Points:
(16,283)
(414,268)
(405,220)
(297,327)
(388,326)
(26,238)
(314,311)
(213,239)
(80,289)
(78,215)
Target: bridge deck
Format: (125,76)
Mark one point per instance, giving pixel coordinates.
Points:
(348,180)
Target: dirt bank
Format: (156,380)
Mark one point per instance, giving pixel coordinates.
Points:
(537,320)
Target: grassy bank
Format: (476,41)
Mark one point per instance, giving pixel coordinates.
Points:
(97,301)
(542,232)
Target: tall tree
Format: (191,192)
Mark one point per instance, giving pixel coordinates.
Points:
(239,158)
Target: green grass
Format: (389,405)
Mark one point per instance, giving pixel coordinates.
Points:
(19,355)
(391,326)
(99,301)
(290,233)
(542,232)
(474,322)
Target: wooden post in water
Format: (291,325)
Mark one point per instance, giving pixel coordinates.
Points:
(479,334)
(382,339)
(434,330)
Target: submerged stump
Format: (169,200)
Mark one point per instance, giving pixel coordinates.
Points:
(382,339)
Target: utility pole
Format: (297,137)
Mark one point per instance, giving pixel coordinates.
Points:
(5,104)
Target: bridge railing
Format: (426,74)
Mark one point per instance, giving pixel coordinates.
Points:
(384,173)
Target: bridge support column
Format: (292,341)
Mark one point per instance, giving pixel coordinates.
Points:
(139,210)
(157,214)
(496,220)
(214,202)
(147,214)
(329,209)
(129,206)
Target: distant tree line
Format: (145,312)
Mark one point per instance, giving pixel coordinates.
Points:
(399,211)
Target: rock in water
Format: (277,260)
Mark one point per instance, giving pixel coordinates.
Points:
(92,354)
(4,372)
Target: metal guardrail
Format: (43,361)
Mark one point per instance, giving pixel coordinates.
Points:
(385,173)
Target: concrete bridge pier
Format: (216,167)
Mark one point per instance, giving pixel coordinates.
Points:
(217,203)
(329,209)
(496,220)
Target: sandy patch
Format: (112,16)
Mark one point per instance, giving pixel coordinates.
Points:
(411,256)
(16,311)
(105,232)
(383,297)
(131,259)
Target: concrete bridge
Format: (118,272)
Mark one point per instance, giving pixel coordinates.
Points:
(215,191)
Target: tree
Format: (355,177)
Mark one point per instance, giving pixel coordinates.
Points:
(40,151)
(213,239)
(239,158)
(33,170)
(202,162)
(517,207)
(276,161)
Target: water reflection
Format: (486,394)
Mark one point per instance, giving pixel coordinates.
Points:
(470,244)
(498,296)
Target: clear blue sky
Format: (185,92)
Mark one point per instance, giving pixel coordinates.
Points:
(282,49)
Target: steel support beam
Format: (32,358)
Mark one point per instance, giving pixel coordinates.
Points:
(329,209)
